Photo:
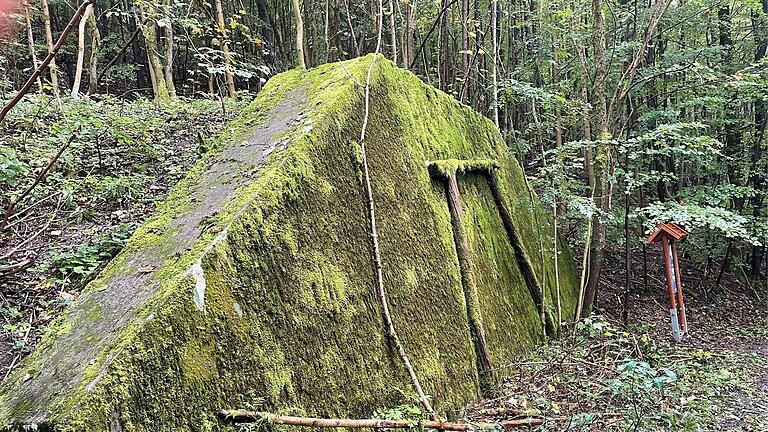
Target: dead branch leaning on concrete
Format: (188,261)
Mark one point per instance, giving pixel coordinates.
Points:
(391,332)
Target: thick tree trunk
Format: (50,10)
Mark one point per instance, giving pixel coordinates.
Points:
(300,60)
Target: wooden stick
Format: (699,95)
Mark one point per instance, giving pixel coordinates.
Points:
(379,281)
(39,71)
(243,416)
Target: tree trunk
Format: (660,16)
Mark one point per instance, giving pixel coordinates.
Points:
(49,43)
(495,47)
(300,60)
(168,69)
(267,32)
(393,30)
(93,76)
(601,160)
(80,52)
(31,44)
(410,18)
(149,30)
(230,78)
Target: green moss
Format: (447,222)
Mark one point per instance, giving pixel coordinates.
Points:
(450,167)
(289,316)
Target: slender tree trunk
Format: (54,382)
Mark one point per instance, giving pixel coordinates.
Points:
(49,43)
(410,18)
(300,60)
(465,51)
(168,69)
(31,44)
(230,78)
(80,52)
(495,47)
(393,30)
(602,158)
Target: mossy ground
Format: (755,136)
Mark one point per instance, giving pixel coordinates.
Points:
(290,318)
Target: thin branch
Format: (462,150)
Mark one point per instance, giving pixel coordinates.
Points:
(242,416)
(392,333)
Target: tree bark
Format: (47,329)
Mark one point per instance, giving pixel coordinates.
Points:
(223,34)
(80,52)
(31,44)
(393,30)
(168,67)
(601,160)
(49,43)
(300,60)
(93,77)
(149,30)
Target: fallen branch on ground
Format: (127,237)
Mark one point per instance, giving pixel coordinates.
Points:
(243,416)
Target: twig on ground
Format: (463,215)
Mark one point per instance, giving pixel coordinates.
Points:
(242,416)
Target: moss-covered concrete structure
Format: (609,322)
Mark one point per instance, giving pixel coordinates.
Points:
(253,282)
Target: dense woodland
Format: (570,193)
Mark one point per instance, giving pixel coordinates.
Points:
(623,113)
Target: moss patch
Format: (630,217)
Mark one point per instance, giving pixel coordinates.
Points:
(275,222)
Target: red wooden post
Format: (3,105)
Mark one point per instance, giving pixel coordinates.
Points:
(668,234)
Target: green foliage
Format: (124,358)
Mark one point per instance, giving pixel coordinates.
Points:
(77,267)
(11,168)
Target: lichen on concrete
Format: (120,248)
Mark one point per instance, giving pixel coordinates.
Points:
(261,289)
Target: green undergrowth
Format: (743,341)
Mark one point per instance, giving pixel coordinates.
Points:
(289,316)
(599,377)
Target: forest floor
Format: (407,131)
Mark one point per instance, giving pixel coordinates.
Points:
(604,376)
